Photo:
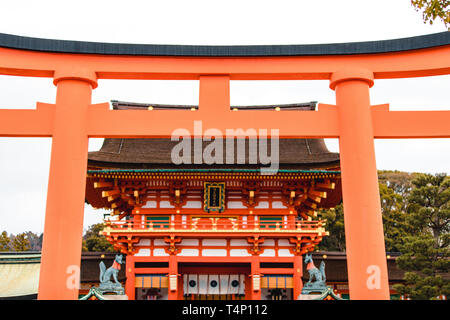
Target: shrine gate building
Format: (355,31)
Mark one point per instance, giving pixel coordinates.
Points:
(213,231)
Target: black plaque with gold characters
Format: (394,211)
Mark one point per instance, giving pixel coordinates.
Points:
(214,197)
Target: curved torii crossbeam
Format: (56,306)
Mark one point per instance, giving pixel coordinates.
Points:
(351,68)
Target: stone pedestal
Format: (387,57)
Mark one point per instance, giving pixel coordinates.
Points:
(308,296)
(116,297)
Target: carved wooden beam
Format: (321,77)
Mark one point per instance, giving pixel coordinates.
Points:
(326,185)
(114,197)
(177,190)
(251,190)
(315,193)
(108,193)
(172,241)
(103,184)
(256,242)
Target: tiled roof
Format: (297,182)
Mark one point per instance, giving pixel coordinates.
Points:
(155,153)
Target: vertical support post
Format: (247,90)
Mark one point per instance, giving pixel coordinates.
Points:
(178,221)
(180,287)
(130,289)
(366,255)
(173,277)
(63,230)
(214,102)
(297,276)
(214,95)
(255,278)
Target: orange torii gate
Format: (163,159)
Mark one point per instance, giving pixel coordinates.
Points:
(351,68)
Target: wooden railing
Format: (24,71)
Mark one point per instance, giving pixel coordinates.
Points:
(215,225)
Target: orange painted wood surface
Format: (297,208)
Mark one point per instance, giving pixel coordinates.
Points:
(362,210)
(73,119)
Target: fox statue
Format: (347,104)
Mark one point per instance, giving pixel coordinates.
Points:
(314,272)
(113,271)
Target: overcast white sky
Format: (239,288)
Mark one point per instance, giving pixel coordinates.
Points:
(24,163)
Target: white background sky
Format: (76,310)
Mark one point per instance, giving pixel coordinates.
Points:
(24,163)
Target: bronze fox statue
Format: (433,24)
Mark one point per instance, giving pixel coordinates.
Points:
(113,271)
(314,272)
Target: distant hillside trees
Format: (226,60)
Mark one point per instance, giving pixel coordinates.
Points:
(4,241)
(25,241)
(30,241)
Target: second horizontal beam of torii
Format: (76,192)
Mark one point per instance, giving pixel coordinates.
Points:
(324,123)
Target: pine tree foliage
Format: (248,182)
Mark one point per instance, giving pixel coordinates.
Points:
(394,217)
(425,252)
(20,242)
(5,242)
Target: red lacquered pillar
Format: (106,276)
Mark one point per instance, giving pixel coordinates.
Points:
(297,276)
(63,230)
(366,256)
(130,284)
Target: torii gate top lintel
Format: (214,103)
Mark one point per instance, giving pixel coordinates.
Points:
(351,48)
(425,55)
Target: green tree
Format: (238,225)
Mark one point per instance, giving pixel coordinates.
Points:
(429,206)
(394,187)
(5,242)
(425,252)
(335,241)
(394,218)
(433,9)
(20,242)
(94,242)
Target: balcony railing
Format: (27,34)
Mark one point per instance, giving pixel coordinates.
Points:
(219,225)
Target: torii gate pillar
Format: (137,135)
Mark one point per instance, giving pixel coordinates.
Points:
(366,256)
(63,230)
